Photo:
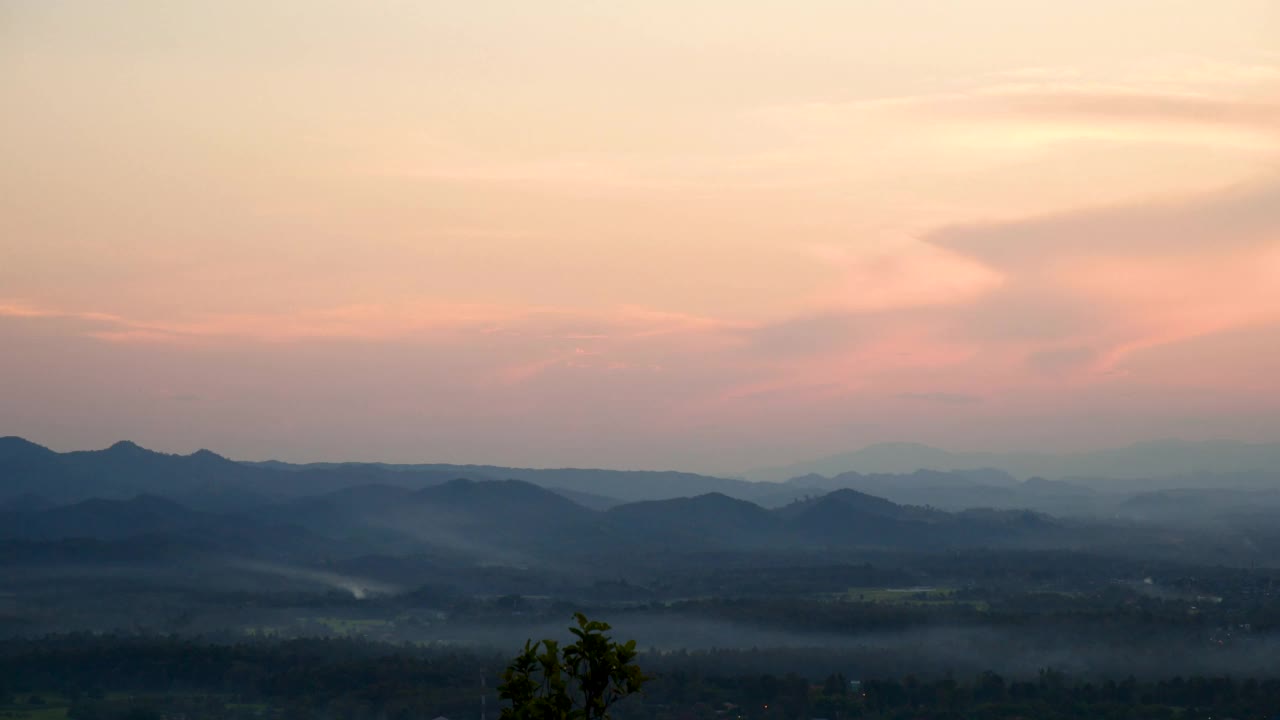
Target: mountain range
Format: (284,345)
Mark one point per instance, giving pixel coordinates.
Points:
(126,491)
(35,477)
(514,522)
(206,479)
(1162,458)
(401,524)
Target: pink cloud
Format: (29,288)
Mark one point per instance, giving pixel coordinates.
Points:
(1078,311)
(914,275)
(1127,278)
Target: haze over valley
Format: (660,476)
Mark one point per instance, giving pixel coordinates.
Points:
(178,541)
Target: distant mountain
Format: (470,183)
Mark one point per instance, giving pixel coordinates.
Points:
(622,485)
(882,458)
(1150,459)
(1256,480)
(497,502)
(859,502)
(917,481)
(505,522)
(337,499)
(207,480)
(519,522)
(339,513)
(713,520)
(16,451)
(1199,506)
(586,499)
(100,519)
(960,490)
(850,518)
(163,521)
(508,520)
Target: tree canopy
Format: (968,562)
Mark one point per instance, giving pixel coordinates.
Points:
(580,681)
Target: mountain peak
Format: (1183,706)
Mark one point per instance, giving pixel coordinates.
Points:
(206,455)
(13,446)
(125,446)
(851,496)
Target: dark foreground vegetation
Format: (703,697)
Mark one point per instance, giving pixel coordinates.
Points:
(112,677)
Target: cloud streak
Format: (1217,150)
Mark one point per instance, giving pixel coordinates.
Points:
(1196,103)
(1139,276)
(992,307)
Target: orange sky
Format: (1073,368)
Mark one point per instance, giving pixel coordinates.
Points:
(709,235)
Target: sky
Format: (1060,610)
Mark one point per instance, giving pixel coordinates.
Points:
(704,234)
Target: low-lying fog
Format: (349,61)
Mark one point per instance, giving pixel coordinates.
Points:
(686,642)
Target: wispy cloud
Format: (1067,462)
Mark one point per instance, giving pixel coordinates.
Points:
(1210,104)
(1136,276)
(13,309)
(1069,295)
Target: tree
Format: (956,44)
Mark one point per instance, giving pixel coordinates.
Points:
(579,682)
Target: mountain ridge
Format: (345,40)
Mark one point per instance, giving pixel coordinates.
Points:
(1143,459)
